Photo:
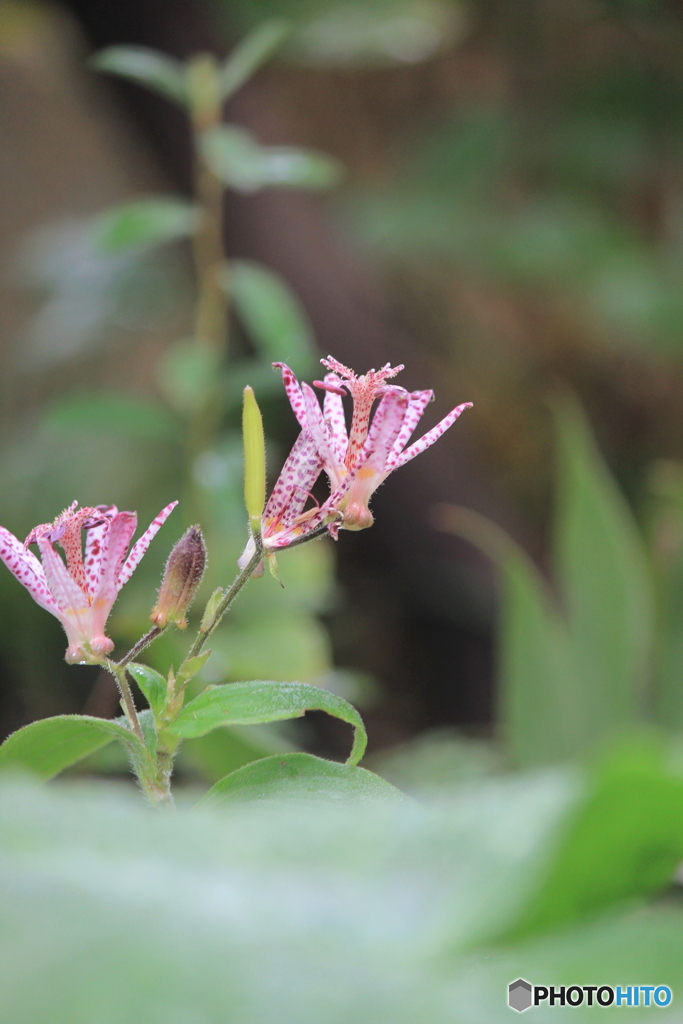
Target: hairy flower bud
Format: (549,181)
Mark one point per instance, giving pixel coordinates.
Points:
(182,576)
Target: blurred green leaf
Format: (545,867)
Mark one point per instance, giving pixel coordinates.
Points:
(543,709)
(299,777)
(152,684)
(156,70)
(50,745)
(116,413)
(273,315)
(234,156)
(604,579)
(625,839)
(249,54)
(114,914)
(436,762)
(149,221)
(257,702)
(188,375)
(666,551)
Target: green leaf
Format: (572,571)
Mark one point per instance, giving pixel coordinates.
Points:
(144,222)
(542,713)
(50,745)
(299,777)
(148,67)
(149,731)
(108,412)
(189,669)
(211,608)
(603,577)
(666,553)
(257,702)
(272,314)
(623,839)
(188,375)
(250,54)
(152,684)
(234,156)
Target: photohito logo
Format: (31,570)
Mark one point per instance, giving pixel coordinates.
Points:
(522,995)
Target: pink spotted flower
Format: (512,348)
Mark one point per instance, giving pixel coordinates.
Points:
(81,592)
(358,460)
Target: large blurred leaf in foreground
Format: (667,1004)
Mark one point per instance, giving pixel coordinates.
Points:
(324,914)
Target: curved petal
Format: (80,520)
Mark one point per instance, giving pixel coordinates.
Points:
(121,530)
(299,473)
(67,594)
(23,564)
(142,544)
(419,400)
(432,435)
(95,544)
(333,413)
(293,389)
(321,435)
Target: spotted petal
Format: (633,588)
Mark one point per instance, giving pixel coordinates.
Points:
(432,435)
(143,543)
(333,412)
(95,544)
(67,594)
(298,475)
(23,564)
(321,435)
(419,400)
(120,533)
(293,389)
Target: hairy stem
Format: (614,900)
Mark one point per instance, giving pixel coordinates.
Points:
(143,642)
(230,595)
(127,703)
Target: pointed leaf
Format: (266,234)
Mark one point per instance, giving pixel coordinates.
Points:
(666,544)
(234,156)
(541,712)
(257,702)
(190,668)
(624,838)
(273,315)
(50,745)
(108,412)
(148,67)
(152,684)
(250,54)
(603,577)
(144,222)
(299,777)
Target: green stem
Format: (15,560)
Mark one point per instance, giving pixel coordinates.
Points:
(127,702)
(227,600)
(143,642)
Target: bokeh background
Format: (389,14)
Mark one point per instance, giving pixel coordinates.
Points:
(510,218)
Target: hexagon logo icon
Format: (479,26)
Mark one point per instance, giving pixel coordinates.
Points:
(519,995)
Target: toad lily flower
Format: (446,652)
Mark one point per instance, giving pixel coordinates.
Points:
(81,593)
(359,460)
(284,521)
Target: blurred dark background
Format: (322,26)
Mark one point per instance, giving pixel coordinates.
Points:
(511,215)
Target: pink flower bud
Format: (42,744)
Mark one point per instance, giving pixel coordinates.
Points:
(183,574)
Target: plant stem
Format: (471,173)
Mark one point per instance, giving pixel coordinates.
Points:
(230,595)
(127,703)
(143,642)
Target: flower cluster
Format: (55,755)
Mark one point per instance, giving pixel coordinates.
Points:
(356,461)
(81,592)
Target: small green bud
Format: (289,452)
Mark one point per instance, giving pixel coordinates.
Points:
(254,460)
(182,576)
